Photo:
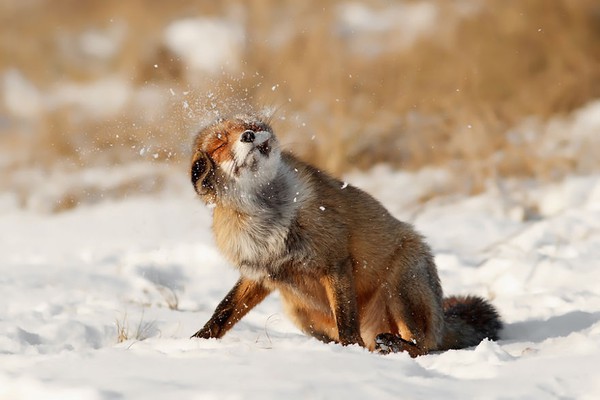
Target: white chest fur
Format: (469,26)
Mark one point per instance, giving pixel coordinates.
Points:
(252,231)
(249,238)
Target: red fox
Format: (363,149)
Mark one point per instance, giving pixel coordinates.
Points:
(346,269)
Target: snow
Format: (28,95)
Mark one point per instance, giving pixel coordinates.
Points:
(103,45)
(99,302)
(21,98)
(371,30)
(147,266)
(206,44)
(574,136)
(411,19)
(97,99)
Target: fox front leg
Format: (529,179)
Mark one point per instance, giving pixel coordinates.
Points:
(243,297)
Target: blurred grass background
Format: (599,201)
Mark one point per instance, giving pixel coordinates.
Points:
(412,84)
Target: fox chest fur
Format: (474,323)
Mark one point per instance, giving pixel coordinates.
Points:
(246,239)
(265,242)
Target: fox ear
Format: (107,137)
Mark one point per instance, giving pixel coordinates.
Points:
(202,172)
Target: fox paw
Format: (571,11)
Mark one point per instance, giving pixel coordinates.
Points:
(386,343)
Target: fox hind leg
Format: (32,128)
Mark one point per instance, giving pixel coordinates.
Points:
(416,323)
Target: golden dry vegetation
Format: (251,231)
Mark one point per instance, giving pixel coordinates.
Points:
(451,96)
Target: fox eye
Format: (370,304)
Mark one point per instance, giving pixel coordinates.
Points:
(219,142)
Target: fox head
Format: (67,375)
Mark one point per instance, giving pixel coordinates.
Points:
(233,157)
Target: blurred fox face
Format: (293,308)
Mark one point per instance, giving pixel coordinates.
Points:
(237,154)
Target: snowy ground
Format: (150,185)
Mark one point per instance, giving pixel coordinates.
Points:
(144,270)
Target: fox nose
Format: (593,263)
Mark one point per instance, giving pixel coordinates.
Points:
(248,136)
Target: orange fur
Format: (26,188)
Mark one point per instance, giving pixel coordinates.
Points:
(346,269)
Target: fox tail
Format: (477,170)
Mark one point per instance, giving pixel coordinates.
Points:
(468,320)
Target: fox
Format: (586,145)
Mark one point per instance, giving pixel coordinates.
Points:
(347,271)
